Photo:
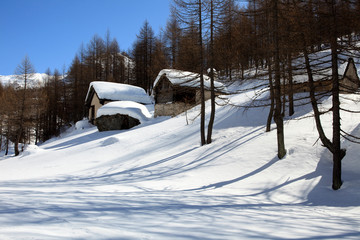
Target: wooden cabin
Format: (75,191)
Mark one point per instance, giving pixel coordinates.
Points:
(176,91)
(101,93)
(348,79)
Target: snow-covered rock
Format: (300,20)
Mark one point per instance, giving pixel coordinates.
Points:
(130,108)
(83,124)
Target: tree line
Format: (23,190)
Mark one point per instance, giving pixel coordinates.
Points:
(267,36)
(36,111)
(322,34)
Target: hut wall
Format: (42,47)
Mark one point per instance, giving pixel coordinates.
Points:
(350,82)
(164,97)
(320,86)
(164,91)
(171,109)
(198,95)
(95,103)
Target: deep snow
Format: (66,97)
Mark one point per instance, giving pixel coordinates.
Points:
(155,181)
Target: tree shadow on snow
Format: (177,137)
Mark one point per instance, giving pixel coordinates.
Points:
(81,140)
(228,182)
(131,175)
(349,193)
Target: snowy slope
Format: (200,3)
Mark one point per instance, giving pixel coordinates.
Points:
(155,182)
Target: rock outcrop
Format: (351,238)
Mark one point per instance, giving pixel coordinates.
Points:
(115,122)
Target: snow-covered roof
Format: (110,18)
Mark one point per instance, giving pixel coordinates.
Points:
(118,92)
(133,109)
(187,79)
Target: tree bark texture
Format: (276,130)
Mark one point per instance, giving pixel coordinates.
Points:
(212,87)
(277,113)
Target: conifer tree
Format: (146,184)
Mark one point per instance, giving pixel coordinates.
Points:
(143,51)
(172,38)
(190,14)
(24,72)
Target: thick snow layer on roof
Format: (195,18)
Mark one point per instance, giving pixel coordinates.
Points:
(133,109)
(119,92)
(187,79)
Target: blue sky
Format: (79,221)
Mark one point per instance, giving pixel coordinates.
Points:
(51,32)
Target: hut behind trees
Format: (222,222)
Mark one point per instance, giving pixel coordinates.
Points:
(176,91)
(348,77)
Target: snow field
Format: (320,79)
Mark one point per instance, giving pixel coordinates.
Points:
(155,182)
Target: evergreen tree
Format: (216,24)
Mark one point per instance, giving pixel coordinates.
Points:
(24,72)
(143,51)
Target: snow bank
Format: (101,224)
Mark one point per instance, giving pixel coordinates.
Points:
(83,124)
(119,92)
(133,109)
(31,149)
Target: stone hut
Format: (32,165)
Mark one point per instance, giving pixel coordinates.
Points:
(348,79)
(176,91)
(101,93)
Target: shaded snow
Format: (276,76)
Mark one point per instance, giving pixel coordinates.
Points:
(155,181)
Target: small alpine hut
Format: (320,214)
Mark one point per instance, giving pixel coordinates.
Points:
(350,81)
(348,76)
(101,93)
(176,91)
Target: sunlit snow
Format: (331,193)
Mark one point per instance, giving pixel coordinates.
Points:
(155,181)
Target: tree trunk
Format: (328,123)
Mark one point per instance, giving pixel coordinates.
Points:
(212,87)
(7,146)
(271,112)
(327,143)
(291,92)
(202,90)
(16,143)
(277,114)
(337,154)
(1,138)
(284,92)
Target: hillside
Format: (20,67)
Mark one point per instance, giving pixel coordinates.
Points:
(156,182)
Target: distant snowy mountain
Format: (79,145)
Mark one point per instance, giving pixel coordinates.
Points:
(36,78)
